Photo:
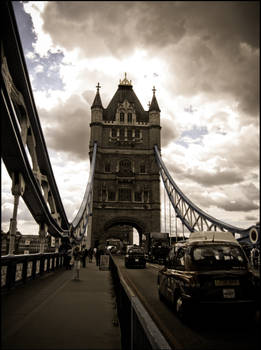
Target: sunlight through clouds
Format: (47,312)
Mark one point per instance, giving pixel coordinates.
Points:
(203,64)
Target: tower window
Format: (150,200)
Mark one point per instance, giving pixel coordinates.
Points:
(111,196)
(129,117)
(137,196)
(142,168)
(129,134)
(146,196)
(107,167)
(125,166)
(122,117)
(122,133)
(137,133)
(114,132)
(125,194)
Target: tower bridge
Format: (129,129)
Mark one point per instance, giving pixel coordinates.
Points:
(124,180)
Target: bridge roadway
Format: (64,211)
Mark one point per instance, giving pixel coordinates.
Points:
(209,334)
(58,313)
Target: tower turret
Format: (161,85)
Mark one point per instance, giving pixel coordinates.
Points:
(97,108)
(96,118)
(154,111)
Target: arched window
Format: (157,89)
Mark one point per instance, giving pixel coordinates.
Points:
(129,117)
(122,117)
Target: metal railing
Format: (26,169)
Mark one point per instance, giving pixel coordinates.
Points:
(138,330)
(19,269)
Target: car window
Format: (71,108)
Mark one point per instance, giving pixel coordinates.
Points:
(218,256)
(180,259)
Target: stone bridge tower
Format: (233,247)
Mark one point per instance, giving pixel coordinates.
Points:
(126,181)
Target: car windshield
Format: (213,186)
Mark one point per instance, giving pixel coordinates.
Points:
(218,256)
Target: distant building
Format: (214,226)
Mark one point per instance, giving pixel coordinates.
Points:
(27,244)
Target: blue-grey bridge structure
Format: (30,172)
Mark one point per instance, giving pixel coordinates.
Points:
(26,158)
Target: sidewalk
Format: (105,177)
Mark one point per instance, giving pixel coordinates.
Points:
(58,313)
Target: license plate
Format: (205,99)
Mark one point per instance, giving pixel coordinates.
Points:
(221,283)
(136,260)
(229,293)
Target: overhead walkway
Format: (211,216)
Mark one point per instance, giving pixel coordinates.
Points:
(56,312)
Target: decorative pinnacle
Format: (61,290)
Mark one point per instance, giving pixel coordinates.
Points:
(125,81)
(98,87)
(154,90)
(149,104)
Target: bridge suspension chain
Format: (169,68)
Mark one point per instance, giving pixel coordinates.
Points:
(24,149)
(190,215)
(81,220)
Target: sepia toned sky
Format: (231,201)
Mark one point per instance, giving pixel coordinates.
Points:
(203,59)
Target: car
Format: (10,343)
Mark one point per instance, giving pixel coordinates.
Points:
(208,271)
(135,257)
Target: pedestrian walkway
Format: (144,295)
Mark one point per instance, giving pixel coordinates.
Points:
(56,312)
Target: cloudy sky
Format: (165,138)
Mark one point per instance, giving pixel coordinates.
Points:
(202,57)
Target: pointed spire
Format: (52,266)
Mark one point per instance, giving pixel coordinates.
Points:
(97,103)
(154,104)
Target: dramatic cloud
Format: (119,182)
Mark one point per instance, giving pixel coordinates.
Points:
(203,58)
(203,42)
(67,128)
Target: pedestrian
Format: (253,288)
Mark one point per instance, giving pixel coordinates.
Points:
(98,256)
(77,263)
(83,256)
(255,258)
(67,259)
(90,254)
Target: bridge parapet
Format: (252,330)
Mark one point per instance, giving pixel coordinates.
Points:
(19,269)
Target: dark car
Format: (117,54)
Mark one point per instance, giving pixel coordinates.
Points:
(135,257)
(208,271)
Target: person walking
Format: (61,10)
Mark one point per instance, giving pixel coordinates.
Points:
(77,263)
(90,254)
(98,256)
(83,256)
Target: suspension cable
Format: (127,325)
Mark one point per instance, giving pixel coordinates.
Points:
(165,209)
(169,218)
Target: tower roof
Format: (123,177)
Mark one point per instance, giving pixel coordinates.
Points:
(154,103)
(125,92)
(97,103)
